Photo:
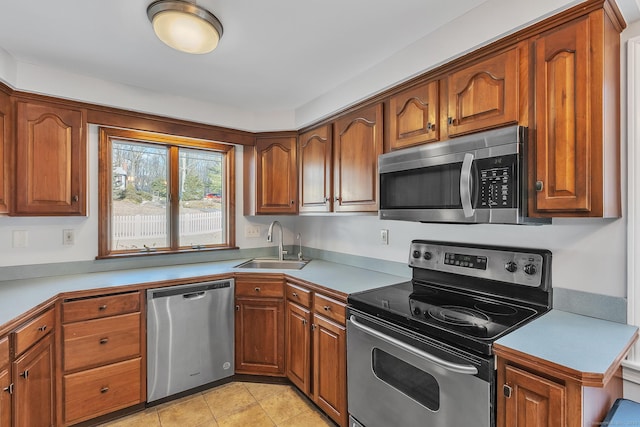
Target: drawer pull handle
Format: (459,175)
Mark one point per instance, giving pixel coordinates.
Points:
(295,294)
(104,389)
(326,308)
(42,328)
(9,389)
(257,289)
(104,340)
(25,374)
(304,321)
(102,307)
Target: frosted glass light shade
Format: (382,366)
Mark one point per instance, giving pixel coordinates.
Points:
(185,26)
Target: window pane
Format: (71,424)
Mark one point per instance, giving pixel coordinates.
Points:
(202,198)
(139,197)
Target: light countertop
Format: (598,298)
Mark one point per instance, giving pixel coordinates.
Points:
(19,296)
(581,343)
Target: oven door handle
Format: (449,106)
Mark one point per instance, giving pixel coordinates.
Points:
(453,367)
(465,185)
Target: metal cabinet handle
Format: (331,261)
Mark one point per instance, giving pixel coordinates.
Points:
(9,389)
(104,389)
(326,199)
(293,202)
(539,185)
(237,308)
(102,307)
(25,374)
(104,340)
(336,199)
(257,289)
(313,326)
(42,328)
(294,294)
(431,126)
(304,321)
(451,121)
(326,308)
(75,198)
(506,390)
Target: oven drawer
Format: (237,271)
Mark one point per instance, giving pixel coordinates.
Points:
(409,382)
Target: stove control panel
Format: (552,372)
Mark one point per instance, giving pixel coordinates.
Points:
(494,263)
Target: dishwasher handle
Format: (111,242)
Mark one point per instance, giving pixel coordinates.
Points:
(194,295)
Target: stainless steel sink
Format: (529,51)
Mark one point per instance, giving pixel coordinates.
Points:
(274,264)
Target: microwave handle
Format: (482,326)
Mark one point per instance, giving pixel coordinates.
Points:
(465,186)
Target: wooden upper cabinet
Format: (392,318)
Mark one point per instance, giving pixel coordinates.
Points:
(414,116)
(276,175)
(577,119)
(484,95)
(50,160)
(5,154)
(357,145)
(315,179)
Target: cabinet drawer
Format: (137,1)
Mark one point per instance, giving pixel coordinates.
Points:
(259,289)
(4,353)
(100,341)
(98,391)
(298,295)
(330,308)
(95,308)
(30,333)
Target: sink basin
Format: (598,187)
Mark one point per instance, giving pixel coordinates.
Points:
(273,263)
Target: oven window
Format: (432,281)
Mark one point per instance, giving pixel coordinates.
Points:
(436,187)
(415,383)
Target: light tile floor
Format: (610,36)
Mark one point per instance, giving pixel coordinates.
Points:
(236,404)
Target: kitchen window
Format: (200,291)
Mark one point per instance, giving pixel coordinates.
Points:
(162,194)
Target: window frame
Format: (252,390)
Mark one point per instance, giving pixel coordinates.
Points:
(172,143)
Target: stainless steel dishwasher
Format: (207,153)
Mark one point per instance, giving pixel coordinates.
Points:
(189,336)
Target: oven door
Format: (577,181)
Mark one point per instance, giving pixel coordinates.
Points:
(395,378)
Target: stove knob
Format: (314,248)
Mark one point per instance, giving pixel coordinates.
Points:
(417,311)
(530,269)
(427,256)
(511,267)
(416,254)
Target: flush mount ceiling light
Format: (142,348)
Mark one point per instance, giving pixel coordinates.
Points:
(185,26)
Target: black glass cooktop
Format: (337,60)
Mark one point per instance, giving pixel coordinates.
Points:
(465,319)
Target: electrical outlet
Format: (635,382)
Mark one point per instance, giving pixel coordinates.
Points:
(20,238)
(252,231)
(68,237)
(384,237)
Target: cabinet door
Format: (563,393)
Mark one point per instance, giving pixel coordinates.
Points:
(5,384)
(330,368)
(534,401)
(413,116)
(259,331)
(357,145)
(33,390)
(5,156)
(276,175)
(50,160)
(5,398)
(314,151)
(562,101)
(298,336)
(484,95)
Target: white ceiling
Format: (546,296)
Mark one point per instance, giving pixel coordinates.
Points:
(274,54)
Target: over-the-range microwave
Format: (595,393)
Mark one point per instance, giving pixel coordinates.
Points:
(474,179)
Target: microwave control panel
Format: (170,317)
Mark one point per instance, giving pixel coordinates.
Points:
(497,183)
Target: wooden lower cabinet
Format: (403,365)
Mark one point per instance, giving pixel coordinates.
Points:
(103,360)
(298,334)
(532,394)
(317,349)
(5,384)
(33,391)
(330,368)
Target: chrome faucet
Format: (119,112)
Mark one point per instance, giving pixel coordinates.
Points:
(281,250)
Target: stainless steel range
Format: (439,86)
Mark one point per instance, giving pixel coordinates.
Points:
(420,352)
